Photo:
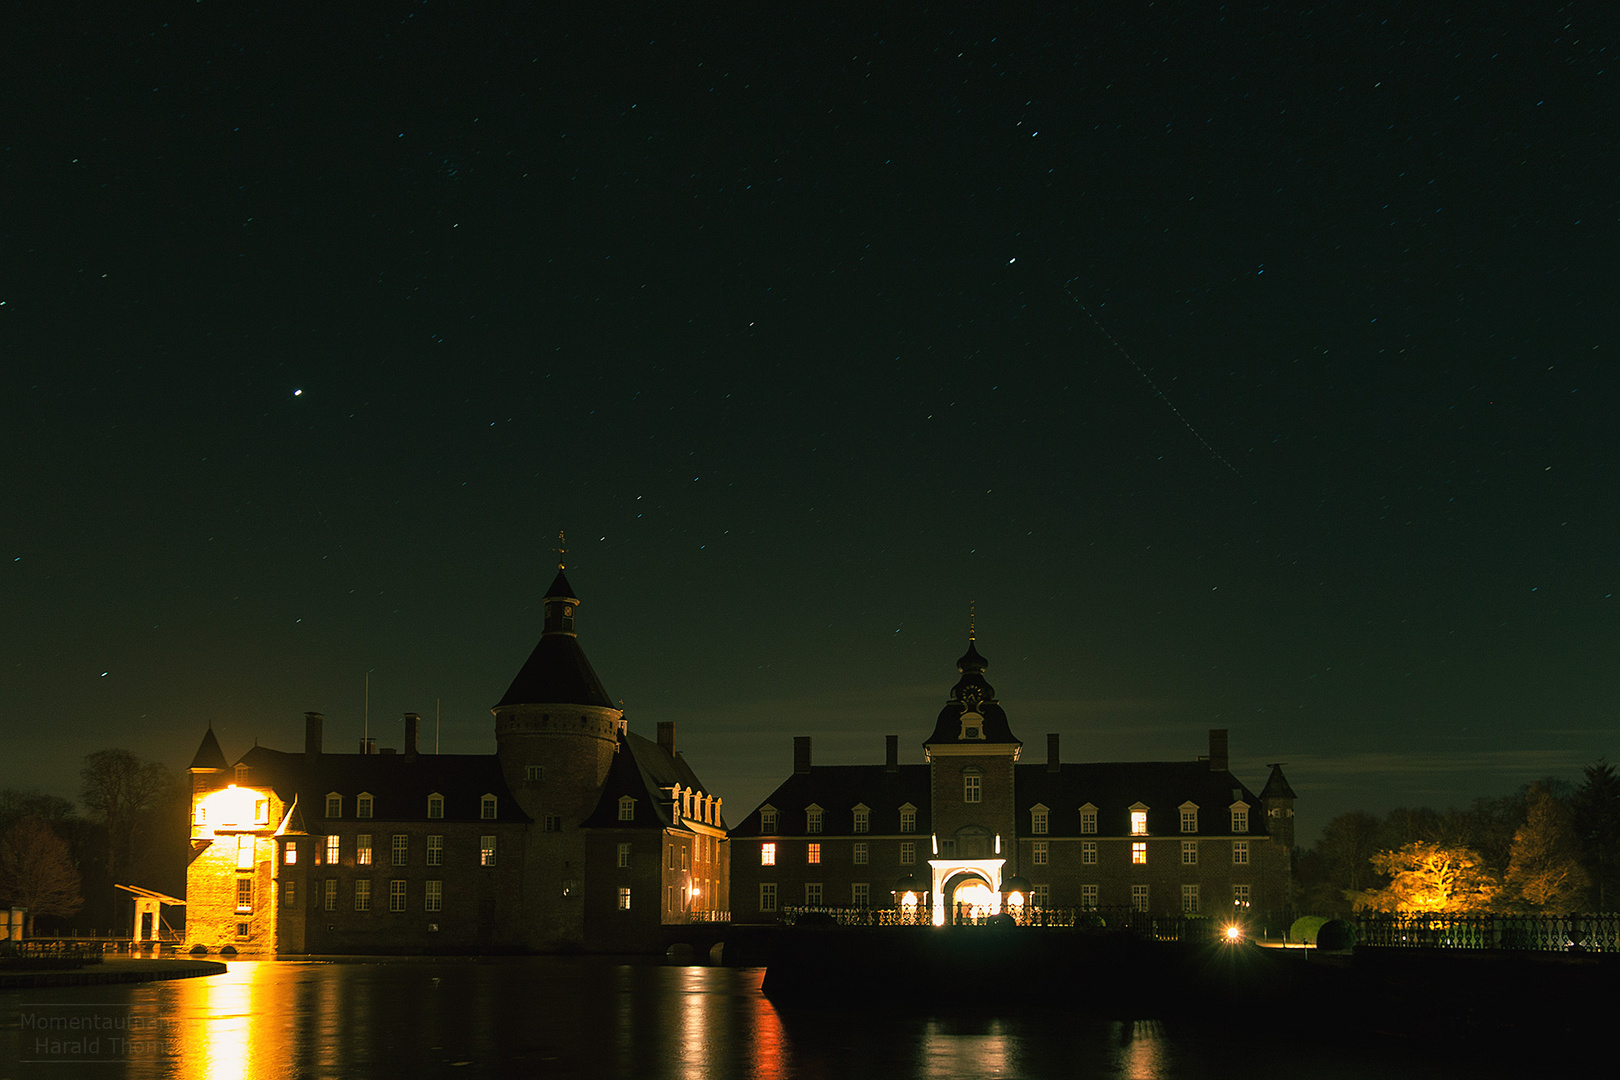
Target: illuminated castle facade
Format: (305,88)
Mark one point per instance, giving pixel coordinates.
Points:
(574,834)
(976,830)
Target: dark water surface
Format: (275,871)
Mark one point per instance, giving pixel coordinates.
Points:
(567,1017)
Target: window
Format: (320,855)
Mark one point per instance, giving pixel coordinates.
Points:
(624,856)
(860,853)
(533,773)
(486,851)
(908,852)
(551,823)
(1088,852)
(244,930)
(1088,896)
(683,857)
(812,819)
(486,808)
(1189,817)
(812,854)
(362,849)
(1139,820)
(334,805)
(289,894)
(1240,853)
(1240,896)
(1240,818)
(1038,853)
(860,894)
(289,853)
(1189,899)
(1139,897)
(767,821)
(863,819)
(329,894)
(401,849)
(241,774)
(767,853)
(624,898)
(1088,819)
(435,807)
(1139,854)
(627,809)
(972,787)
(908,819)
(396,895)
(362,895)
(244,895)
(433,896)
(670,855)
(1189,853)
(202,814)
(331,851)
(363,804)
(435,851)
(812,894)
(767,896)
(261,811)
(244,852)
(1037,821)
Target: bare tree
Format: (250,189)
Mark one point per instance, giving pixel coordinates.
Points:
(36,871)
(118,788)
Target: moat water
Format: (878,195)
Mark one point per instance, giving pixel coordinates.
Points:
(590,1017)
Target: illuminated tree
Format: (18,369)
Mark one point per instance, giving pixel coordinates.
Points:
(1545,870)
(36,871)
(1427,876)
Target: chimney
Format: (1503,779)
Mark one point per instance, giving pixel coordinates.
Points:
(666,736)
(1217,750)
(368,746)
(1052,761)
(413,731)
(312,733)
(801,753)
(891,753)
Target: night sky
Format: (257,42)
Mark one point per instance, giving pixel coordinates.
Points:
(1251,371)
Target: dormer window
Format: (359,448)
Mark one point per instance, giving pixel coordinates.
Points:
(863,819)
(627,809)
(487,808)
(241,774)
(1088,819)
(1189,817)
(767,819)
(363,805)
(1038,820)
(812,819)
(1240,817)
(435,806)
(972,725)
(1139,820)
(334,805)
(908,818)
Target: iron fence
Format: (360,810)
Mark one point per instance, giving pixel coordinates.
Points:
(1539,933)
(1158,926)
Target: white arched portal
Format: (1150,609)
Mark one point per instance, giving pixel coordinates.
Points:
(950,875)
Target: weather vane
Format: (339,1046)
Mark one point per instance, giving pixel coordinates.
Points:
(971,635)
(562,548)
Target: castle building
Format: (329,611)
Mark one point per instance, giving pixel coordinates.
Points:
(976,829)
(576,833)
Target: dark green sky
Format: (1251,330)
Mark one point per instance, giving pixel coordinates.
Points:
(1247,372)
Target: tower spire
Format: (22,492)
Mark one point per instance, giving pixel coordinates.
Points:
(972,613)
(561,549)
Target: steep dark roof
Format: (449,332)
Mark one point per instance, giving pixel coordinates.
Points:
(643,770)
(1277,785)
(209,755)
(837,789)
(973,692)
(398,783)
(556,673)
(1114,787)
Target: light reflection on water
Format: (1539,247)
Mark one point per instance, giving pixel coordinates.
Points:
(572,1017)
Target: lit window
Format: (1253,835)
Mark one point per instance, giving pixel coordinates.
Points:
(244,852)
(1240,853)
(362,849)
(401,849)
(812,819)
(908,819)
(971,789)
(433,896)
(767,854)
(1088,896)
(486,851)
(767,820)
(1088,852)
(624,898)
(1139,897)
(363,804)
(331,850)
(435,807)
(908,852)
(1189,818)
(334,806)
(202,814)
(767,896)
(329,894)
(624,856)
(261,811)
(1038,852)
(813,854)
(627,809)
(1139,823)
(486,808)
(1189,853)
(289,854)
(860,894)
(362,895)
(1088,819)
(863,819)
(812,894)
(396,895)
(1038,821)
(244,895)
(435,851)
(1240,896)
(860,853)
(1240,818)
(1189,899)
(1139,853)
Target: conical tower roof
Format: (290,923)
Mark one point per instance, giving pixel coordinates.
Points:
(209,756)
(557,672)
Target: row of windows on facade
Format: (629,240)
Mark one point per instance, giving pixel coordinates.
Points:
(398,895)
(365,806)
(1040,817)
(1040,896)
(399,851)
(706,849)
(1040,852)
